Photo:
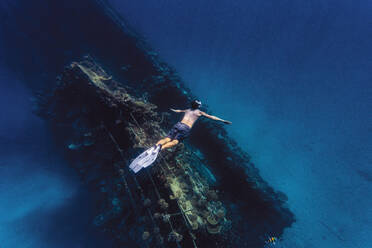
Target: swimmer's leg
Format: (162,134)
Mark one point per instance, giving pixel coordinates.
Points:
(170,144)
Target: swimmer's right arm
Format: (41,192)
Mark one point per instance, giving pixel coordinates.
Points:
(177,110)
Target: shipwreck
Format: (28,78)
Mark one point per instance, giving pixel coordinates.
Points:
(203,194)
(106,108)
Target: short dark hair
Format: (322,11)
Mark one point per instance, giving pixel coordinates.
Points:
(195,104)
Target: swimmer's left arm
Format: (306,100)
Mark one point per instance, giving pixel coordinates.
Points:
(215,118)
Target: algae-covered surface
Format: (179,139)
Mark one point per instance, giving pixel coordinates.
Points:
(187,198)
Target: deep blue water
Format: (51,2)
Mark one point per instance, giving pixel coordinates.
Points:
(42,201)
(294,77)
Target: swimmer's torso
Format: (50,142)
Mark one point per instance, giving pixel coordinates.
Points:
(191,116)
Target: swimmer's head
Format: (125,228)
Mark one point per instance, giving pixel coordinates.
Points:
(195,104)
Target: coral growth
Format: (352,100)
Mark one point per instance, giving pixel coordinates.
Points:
(102,124)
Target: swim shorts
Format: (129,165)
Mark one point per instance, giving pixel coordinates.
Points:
(179,131)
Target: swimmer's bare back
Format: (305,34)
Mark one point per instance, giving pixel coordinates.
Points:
(192,115)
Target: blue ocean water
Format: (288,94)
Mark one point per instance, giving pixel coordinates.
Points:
(42,201)
(294,77)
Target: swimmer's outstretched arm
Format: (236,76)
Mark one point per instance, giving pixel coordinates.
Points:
(215,118)
(177,110)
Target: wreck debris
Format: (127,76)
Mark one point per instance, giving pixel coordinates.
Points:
(147,202)
(145,235)
(157,215)
(214,229)
(163,204)
(174,236)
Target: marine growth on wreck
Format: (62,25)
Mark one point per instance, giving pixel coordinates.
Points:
(182,200)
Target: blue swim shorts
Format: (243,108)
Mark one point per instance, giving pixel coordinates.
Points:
(179,131)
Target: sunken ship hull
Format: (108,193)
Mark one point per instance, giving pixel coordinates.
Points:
(105,109)
(204,193)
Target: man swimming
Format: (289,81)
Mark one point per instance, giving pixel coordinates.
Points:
(178,133)
(182,128)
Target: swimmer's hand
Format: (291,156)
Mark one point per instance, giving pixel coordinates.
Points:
(227,122)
